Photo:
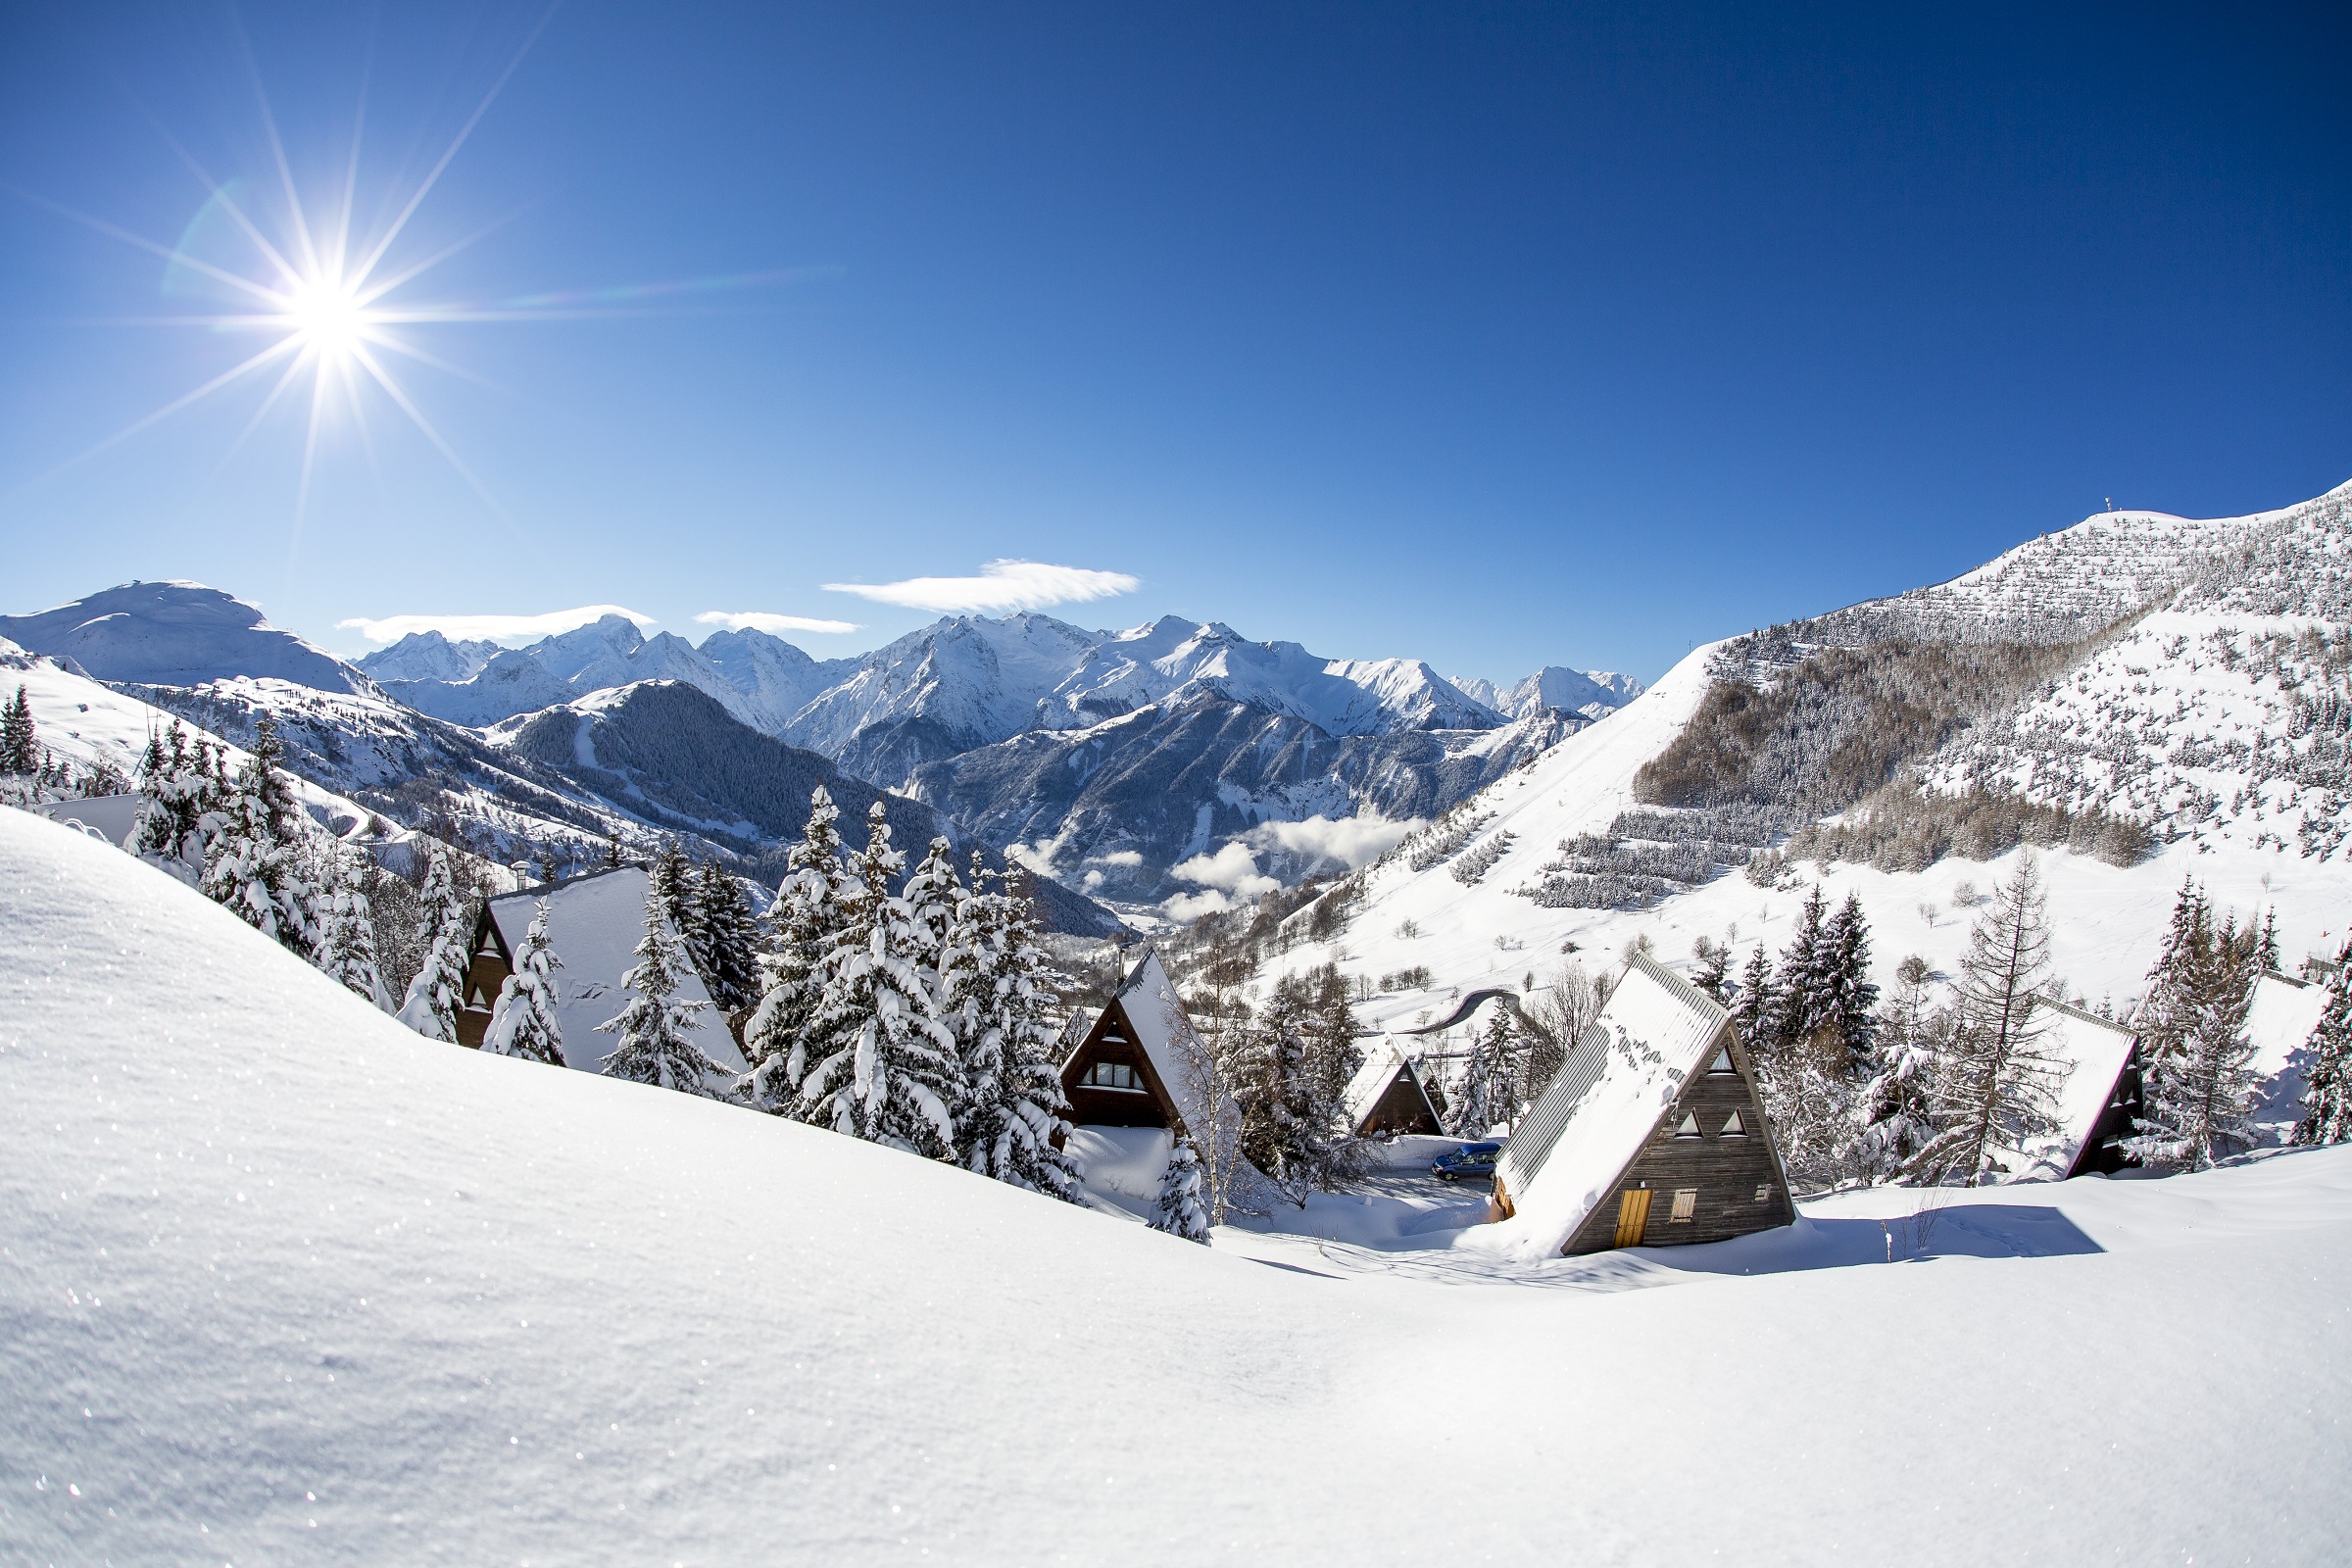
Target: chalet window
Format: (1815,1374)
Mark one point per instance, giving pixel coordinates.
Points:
(1685,1204)
(1112,1075)
(1689,1127)
(1723,1063)
(1737,1127)
(1764,1193)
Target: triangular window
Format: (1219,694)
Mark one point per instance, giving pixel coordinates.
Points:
(1689,1127)
(1723,1061)
(1737,1127)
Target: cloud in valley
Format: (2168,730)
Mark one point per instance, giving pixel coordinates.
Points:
(1351,841)
(1003,585)
(493,628)
(762,620)
(1232,869)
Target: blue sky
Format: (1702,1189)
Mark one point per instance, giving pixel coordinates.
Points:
(1496,335)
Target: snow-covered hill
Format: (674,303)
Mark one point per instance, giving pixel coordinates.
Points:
(176,634)
(287,1282)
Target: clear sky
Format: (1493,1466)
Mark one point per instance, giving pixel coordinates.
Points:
(1495,335)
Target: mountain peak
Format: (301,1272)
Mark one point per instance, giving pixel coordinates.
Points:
(177,633)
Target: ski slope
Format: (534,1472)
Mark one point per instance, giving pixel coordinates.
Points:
(280,1282)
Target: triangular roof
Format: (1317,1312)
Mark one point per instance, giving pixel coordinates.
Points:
(1164,1033)
(1656,1032)
(2095,1051)
(1383,1065)
(595,923)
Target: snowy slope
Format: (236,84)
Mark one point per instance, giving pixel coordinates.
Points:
(293,1285)
(176,634)
(1589,691)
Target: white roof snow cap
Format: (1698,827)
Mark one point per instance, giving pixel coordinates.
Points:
(1166,1037)
(1657,1031)
(2093,1051)
(1381,1063)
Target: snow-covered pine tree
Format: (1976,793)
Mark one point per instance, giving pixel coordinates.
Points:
(1751,1005)
(2197,1093)
(803,924)
(19,740)
(347,925)
(1180,1210)
(1894,1113)
(1802,1000)
(1712,970)
(524,1023)
(883,1066)
(430,1006)
(723,939)
(181,784)
(1295,1062)
(257,859)
(657,1046)
(671,877)
(1491,1071)
(1996,1087)
(995,993)
(2328,1064)
(1851,997)
(2266,948)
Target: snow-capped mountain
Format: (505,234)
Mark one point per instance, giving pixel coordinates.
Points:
(429,656)
(176,634)
(1594,693)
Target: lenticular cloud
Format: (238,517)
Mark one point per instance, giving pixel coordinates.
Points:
(764,620)
(1001,586)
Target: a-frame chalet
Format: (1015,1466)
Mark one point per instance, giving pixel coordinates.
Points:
(2099,1102)
(1139,1064)
(492,961)
(1652,1134)
(1388,1099)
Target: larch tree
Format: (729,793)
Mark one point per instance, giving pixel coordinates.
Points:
(656,1026)
(1996,1087)
(525,1022)
(2328,1068)
(257,857)
(996,996)
(883,1066)
(430,1004)
(1180,1210)
(805,924)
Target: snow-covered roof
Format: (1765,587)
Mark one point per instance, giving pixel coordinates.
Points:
(1381,1063)
(2281,1020)
(112,817)
(1167,1036)
(595,923)
(2095,1051)
(1625,1071)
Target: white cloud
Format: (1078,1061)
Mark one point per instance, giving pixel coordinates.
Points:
(1002,585)
(1192,906)
(1120,857)
(1232,869)
(1351,841)
(496,628)
(762,620)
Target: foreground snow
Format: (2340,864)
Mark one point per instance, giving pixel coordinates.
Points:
(280,1282)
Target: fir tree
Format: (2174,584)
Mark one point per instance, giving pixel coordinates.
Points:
(1894,1109)
(181,784)
(1752,1007)
(1802,1002)
(1180,1210)
(655,1028)
(2328,1065)
(671,877)
(725,939)
(805,924)
(2198,1086)
(430,1006)
(347,925)
(995,993)
(255,861)
(1850,998)
(1485,1096)
(19,741)
(1994,1086)
(884,1066)
(525,1023)
(1713,971)
(1295,1062)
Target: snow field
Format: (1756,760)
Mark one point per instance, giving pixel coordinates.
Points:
(280,1281)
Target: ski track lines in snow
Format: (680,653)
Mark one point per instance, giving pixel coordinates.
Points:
(280,1282)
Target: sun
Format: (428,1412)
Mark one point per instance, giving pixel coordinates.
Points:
(330,318)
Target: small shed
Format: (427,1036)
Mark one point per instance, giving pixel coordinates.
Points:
(595,924)
(1650,1134)
(2099,1101)
(1139,1064)
(1387,1098)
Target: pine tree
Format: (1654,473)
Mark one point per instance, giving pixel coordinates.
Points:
(1850,998)
(347,925)
(1713,971)
(805,924)
(2328,1065)
(2197,1087)
(1894,1111)
(995,993)
(723,943)
(430,1006)
(19,741)
(525,1023)
(182,785)
(1180,1210)
(255,861)
(1296,1059)
(1751,1009)
(671,877)
(1994,1086)
(1485,1096)
(655,1028)
(1802,1002)
(884,1066)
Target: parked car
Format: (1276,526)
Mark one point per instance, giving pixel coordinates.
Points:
(1470,1162)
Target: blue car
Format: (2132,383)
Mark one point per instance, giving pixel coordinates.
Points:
(1470,1162)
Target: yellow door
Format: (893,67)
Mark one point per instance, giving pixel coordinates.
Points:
(1633,1216)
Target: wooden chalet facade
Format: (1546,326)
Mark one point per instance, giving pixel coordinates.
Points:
(1138,1063)
(1388,1099)
(489,968)
(1652,1133)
